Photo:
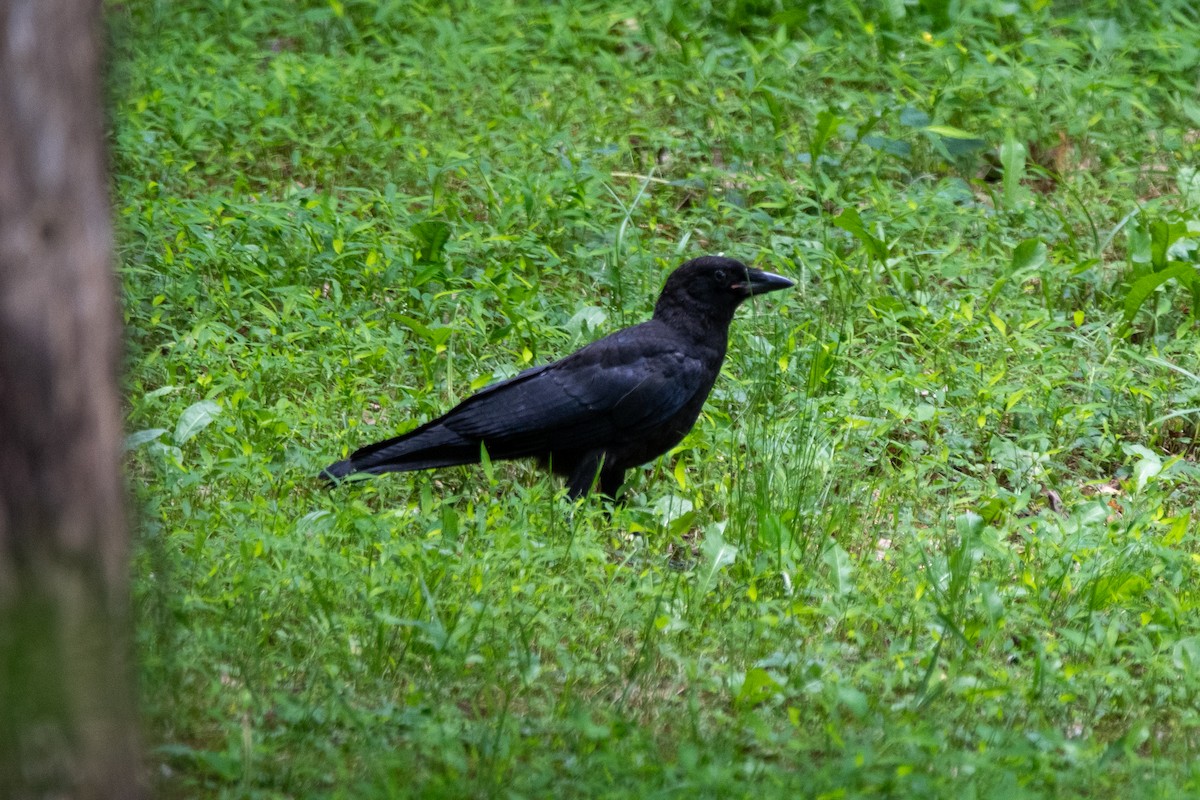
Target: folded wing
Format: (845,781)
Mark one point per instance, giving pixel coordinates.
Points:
(614,391)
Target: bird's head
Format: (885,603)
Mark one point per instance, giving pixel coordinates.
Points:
(715,286)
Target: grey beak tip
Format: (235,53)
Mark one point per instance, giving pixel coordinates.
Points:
(764,282)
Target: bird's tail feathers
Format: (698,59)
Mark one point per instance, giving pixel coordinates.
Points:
(423,448)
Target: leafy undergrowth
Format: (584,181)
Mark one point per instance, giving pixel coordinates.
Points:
(934,534)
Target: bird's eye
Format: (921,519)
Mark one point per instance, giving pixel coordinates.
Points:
(720,276)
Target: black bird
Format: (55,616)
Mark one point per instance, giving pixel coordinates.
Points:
(614,404)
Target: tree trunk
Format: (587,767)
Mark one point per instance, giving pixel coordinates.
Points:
(67,721)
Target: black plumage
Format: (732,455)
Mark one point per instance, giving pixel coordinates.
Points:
(616,403)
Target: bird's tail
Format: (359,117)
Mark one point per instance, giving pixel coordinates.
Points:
(423,448)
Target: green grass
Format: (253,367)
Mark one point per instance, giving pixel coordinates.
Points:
(934,534)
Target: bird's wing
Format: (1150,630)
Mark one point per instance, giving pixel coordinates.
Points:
(615,390)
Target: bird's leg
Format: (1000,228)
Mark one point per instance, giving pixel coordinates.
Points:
(583,477)
(610,483)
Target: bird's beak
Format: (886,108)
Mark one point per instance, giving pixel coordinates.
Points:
(759,282)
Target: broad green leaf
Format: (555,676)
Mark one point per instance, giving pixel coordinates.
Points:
(1119,588)
(1188,179)
(1014,398)
(853,699)
(139,438)
(1186,654)
(1138,244)
(778,118)
(308,520)
(431,236)
(887,145)
(480,381)
(1028,255)
(1163,234)
(913,117)
(757,686)
(957,147)
(671,507)
(1149,465)
(998,323)
(1145,286)
(417,327)
(718,554)
(841,570)
(587,319)
(1178,530)
(969,524)
(194,419)
(850,221)
(681,524)
(167,451)
(680,474)
(950,132)
(1012,159)
(827,125)
(435,335)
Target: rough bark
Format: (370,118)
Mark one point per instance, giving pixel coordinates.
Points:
(66,706)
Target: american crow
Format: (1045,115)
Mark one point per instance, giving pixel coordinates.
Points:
(614,404)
